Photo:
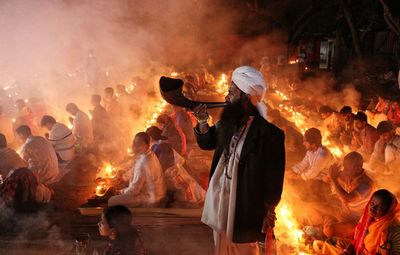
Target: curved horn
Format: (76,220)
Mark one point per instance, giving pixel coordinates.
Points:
(171,91)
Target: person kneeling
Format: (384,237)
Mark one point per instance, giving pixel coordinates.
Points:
(147,186)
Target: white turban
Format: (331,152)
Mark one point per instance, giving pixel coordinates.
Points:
(251,81)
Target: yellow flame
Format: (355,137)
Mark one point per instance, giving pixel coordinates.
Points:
(101,189)
(222,85)
(174,74)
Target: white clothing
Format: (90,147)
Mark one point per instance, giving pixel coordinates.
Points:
(63,141)
(224,247)
(251,81)
(147,187)
(386,155)
(315,164)
(82,129)
(220,204)
(41,158)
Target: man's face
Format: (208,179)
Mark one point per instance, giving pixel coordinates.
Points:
(325,115)
(48,126)
(104,229)
(21,138)
(139,146)
(359,125)
(233,93)
(307,145)
(387,136)
(350,169)
(346,116)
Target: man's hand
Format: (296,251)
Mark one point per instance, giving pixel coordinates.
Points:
(201,115)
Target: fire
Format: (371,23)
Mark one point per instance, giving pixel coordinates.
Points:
(288,231)
(160,107)
(70,125)
(292,62)
(101,189)
(301,123)
(130,88)
(104,174)
(222,85)
(107,172)
(174,74)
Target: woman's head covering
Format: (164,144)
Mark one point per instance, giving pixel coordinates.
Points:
(251,81)
(377,230)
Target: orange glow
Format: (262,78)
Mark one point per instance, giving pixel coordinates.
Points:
(222,85)
(101,189)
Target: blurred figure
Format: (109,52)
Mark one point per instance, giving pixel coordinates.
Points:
(19,192)
(394,113)
(347,116)
(101,121)
(39,154)
(82,126)
(92,71)
(353,187)
(116,224)
(183,120)
(382,105)
(24,116)
(364,136)
(9,159)
(147,187)
(332,123)
(110,102)
(161,147)
(6,126)
(61,138)
(386,156)
(173,133)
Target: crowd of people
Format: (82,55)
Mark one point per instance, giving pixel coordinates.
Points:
(354,216)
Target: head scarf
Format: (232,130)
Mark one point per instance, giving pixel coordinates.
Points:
(377,230)
(251,81)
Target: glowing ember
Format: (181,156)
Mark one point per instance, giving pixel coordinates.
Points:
(13,120)
(107,172)
(101,189)
(174,74)
(292,62)
(130,88)
(159,109)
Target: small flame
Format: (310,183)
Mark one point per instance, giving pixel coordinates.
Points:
(130,88)
(101,189)
(222,85)
(13,120)
(174,74)
(107,172)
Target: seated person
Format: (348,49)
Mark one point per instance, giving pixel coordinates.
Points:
(332,123)
(39,154)
(147,186)
(364,136)
(394,113)
(61,138)
(317,160)
(116,224)
(9,159)
(346,113)
(173,133)
(161,147)
(19,191)
(183,189)
(353,188)
(377,232)
(386,155)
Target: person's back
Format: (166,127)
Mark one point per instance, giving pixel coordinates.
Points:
(100,122)
(184,121)
(41,158)
(63,141)
(154,187)
(82,129)
(164,153)
(174,138)
(9,160)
